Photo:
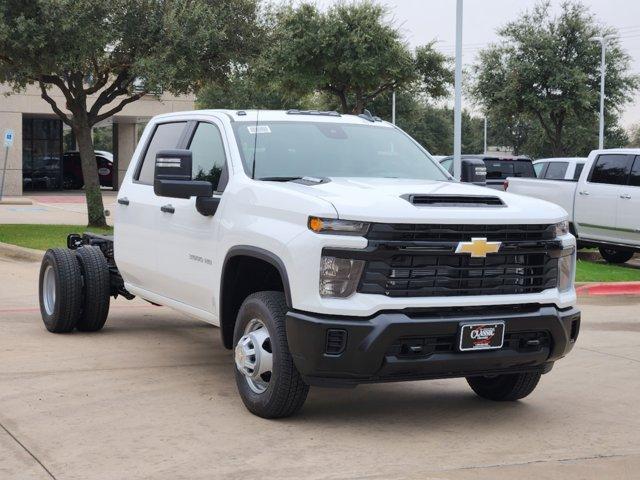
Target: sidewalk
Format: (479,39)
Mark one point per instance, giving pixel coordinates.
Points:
(60,208)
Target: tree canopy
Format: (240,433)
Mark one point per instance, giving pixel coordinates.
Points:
(350,51)
(104,55)
(546,69)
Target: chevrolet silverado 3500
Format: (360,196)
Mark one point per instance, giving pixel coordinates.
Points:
(330,250)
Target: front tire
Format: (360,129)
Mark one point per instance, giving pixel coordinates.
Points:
(505,388)
(268,382)
(60,290)
(612,255)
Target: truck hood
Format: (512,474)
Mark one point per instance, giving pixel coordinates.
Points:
(385,200)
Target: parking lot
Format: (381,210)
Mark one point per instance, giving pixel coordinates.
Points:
(153,396)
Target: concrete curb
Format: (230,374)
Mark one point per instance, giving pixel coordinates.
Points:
(20,253)
(15,201)
(610,288)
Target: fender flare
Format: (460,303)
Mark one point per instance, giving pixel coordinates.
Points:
(260,254)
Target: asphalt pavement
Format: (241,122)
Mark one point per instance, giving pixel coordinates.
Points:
(153,396)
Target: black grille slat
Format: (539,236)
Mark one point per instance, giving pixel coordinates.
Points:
(420,260)
(458,233)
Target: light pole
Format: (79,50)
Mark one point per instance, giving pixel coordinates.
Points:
(603,42)
(393,107)
(485,135)
(457,109)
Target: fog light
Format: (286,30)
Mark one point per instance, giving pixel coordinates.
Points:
(566,269)
(339,277)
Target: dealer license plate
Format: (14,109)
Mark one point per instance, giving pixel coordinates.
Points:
(481,336)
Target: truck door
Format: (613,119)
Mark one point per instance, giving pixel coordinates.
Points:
(189,250)
(596,201)
(138,212)
(629,207)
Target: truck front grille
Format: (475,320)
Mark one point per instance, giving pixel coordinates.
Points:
(411,232)
(434,275)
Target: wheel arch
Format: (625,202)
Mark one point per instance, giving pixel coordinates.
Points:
(243,255)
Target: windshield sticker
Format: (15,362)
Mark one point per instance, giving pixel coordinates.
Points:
(253,129)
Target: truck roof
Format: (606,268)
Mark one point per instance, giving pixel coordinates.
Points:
(286,115)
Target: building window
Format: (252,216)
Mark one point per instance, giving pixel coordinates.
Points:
(41,154)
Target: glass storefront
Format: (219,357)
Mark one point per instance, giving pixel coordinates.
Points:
(41,154)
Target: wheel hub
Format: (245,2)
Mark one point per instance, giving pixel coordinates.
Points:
(49,290)
(253,356)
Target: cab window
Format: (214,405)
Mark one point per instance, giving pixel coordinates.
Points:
(578,172)
(448,164)
(165,136)
(208,155)
(556,170)
(611,169)
(634,180)
(539,167)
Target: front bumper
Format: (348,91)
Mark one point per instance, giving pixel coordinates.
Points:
(421,344)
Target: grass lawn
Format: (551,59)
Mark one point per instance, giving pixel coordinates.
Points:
(42,237)
(603,272)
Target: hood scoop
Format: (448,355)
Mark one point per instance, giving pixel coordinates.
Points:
(454,200)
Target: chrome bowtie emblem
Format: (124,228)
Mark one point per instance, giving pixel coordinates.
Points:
(478,247)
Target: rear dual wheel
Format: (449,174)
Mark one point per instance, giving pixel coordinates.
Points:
(74,289)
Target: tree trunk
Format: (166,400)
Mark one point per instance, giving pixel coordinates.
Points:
(343,101)
(95,207)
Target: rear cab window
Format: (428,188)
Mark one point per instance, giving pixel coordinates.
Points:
(501,169)
(556,170)
(578,171)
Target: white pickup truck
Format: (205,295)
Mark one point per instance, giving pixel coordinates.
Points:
(603,205)
(330,250)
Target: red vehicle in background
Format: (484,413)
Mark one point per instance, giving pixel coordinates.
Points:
(72,169)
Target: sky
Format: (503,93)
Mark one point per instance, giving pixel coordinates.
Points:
(421,21)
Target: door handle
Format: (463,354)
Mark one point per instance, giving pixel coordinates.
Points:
(168,208)
(625,196)
(583,192)
(123,201)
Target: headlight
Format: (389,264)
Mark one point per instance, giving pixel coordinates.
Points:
(339,277)
(561,228)
(566,269)
(337,227)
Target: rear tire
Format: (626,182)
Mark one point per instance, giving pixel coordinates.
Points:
(280,392)
(96,291)
(505,388)
(60,290)
(613,255)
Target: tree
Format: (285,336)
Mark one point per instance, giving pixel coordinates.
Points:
(104,55)
(351,52)
(547,69)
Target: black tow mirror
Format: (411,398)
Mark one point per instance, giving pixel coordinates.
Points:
(172,176)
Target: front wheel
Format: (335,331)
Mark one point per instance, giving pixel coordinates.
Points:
(268,382)
(508,387)
(613,255)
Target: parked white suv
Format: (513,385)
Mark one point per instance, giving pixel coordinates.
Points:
(330,250)
(603,205)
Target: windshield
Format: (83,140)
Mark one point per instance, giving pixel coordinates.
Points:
(285,150)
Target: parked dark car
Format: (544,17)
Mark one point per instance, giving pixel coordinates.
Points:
(72,170)
(473,169)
